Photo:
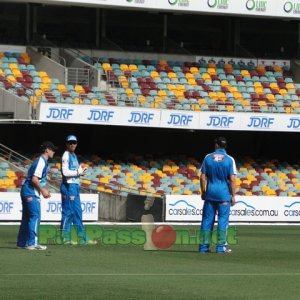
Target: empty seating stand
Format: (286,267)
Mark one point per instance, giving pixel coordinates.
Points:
(198,86)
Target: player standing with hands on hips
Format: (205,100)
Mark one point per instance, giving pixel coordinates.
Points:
(218,187)
(32,188)
(70,193)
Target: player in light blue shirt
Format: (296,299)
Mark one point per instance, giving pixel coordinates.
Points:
(218,175)
(70,193)
(32,188)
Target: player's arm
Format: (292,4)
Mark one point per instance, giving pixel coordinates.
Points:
(35,181)
(203,185)
(66,170)
(232,183)
(203,179)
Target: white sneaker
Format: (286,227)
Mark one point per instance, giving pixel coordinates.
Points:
(69,242)
(36,247)
(89,242)
(92,242)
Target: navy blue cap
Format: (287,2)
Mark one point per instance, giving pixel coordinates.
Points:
(48,145)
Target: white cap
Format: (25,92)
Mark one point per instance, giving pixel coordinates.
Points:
(71,138)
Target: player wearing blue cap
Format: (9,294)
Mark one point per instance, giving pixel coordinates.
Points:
(218,175)
(70,193)
(33,187)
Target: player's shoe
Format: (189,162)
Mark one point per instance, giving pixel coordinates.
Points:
(204,251)
(223,249)
(36,247)
(204,248)
(68,242)
(91,242)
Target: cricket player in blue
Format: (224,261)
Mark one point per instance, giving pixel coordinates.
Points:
(33,187)
(218,187)
(70,194)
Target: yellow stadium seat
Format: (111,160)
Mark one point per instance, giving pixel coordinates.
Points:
(106,67)
(180,87)
(194,70)
(171,87)
(245,73)
(124,67)
(225,83)
(77,100)
(273,85)
(133,67)
(283,92)
(11,78)
(192,82)
(206,76)
(196,107)
(43,74)
(289,110)
(290,86)
(162,93)
(46,80)
(95,102)
(154,74)
(230,108)
(172,75)
(45,87)
(211,70)
(79,89)
(62,88)
(189,76)
(38,92)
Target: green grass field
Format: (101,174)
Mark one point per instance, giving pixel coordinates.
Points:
(265,264)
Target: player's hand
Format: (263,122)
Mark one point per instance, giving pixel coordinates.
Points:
(46,194)
(81,170)
(233,201)
(203,196)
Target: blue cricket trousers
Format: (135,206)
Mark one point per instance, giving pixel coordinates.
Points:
(31,216)
(71,212)
(210,209)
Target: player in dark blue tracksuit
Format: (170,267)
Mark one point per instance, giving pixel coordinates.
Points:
(70,193)
(33,187)
(218,175)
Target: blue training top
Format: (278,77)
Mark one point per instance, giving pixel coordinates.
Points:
(39,169)
(218,167)
(69,168)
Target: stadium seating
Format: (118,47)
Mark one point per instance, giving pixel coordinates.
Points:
(10,180)
(20,77)
(198,86)
(180,175)
(203,86)
(173,175)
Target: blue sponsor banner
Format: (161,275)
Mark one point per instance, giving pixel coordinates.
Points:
(163,118)
(11,207)
(99,115)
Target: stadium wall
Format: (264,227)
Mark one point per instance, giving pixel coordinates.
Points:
(269,8)
(42,62)
(13,107)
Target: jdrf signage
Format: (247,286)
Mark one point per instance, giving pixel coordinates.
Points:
(11,207)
